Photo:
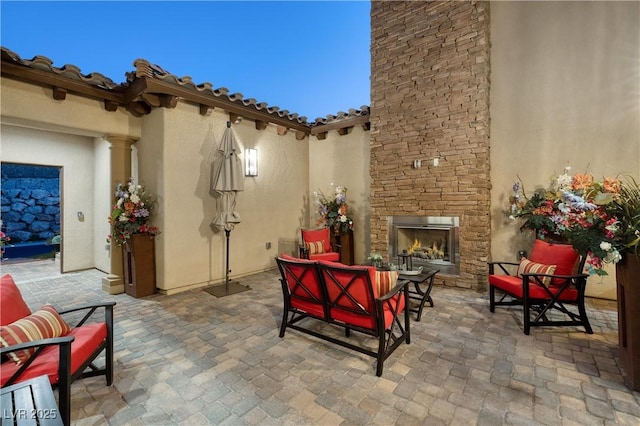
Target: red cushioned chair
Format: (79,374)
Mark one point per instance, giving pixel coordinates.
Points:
(554,284)
(63,359)
(316,245)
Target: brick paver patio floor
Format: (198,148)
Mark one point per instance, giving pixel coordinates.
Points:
(192,358)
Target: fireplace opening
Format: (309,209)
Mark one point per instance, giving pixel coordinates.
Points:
(432,242)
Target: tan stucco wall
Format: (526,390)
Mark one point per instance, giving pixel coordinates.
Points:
(74,155)
(35,107)
(343,160)
(175,156)
(565,90)
(37,129)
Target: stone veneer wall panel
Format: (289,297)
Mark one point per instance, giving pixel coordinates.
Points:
(430,98)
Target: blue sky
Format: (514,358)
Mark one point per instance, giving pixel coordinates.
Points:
(307,57)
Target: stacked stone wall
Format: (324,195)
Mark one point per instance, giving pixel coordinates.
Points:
(30,206)
(430,99)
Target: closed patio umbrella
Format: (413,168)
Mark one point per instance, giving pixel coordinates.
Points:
(227,179)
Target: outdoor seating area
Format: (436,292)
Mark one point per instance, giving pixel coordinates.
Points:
(191,358)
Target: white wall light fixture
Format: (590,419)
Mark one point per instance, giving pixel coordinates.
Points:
(251,162)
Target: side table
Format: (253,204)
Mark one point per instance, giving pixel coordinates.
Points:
(422,296)
(30,403)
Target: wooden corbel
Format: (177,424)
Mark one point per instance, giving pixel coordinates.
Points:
(282,130)
(234,118)
(366,126)
(110,106)
(344,130)
(321,136)
(138,109)
(300,135)
(168,101)
(261,125)
(151,99)
(206,110)
(59,94)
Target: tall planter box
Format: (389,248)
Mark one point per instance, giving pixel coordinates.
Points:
(346,246)
(628,285)
(139,265)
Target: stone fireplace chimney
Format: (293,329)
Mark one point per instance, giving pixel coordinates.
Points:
(430,123)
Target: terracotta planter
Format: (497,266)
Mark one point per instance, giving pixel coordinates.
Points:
(628,284)
(139,258)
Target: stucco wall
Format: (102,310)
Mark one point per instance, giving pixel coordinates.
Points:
(565,90)
(343,160)
(74,155)
(34,106)
(175,156)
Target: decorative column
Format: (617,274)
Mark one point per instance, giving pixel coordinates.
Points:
(120,173)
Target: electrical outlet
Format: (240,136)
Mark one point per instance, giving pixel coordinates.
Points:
(268,245)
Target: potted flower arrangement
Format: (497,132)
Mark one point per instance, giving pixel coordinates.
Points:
(130,228)
(334,210)
(578,210)
(131,213)
(626,208)
(375,259)
(4,241)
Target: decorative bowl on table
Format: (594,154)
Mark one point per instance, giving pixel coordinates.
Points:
(414,271)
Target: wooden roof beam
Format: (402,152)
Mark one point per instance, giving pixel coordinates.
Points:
(45,78)
(224,103)
(340,124)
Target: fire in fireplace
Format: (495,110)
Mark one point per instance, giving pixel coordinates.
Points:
(431,241)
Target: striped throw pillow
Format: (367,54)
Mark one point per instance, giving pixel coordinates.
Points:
(43,324)
(528,267)
(386,280)
(315,247)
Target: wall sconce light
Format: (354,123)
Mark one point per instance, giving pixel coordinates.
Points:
(250,162)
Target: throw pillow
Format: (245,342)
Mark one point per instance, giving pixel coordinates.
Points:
(43,324)
(528,267)
(12,305)
(315,247)
(386,280)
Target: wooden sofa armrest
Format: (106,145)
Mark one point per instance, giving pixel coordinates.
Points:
(91,308)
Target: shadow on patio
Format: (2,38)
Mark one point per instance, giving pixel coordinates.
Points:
(191,358)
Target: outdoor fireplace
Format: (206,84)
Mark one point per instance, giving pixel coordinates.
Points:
(432,242)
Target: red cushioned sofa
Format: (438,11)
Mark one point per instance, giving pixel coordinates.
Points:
(68,355)
(347,297)
(548,282)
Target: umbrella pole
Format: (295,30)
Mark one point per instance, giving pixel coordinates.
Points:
(228,288)
(227,233)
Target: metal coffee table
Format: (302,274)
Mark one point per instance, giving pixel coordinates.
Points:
(425,279)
